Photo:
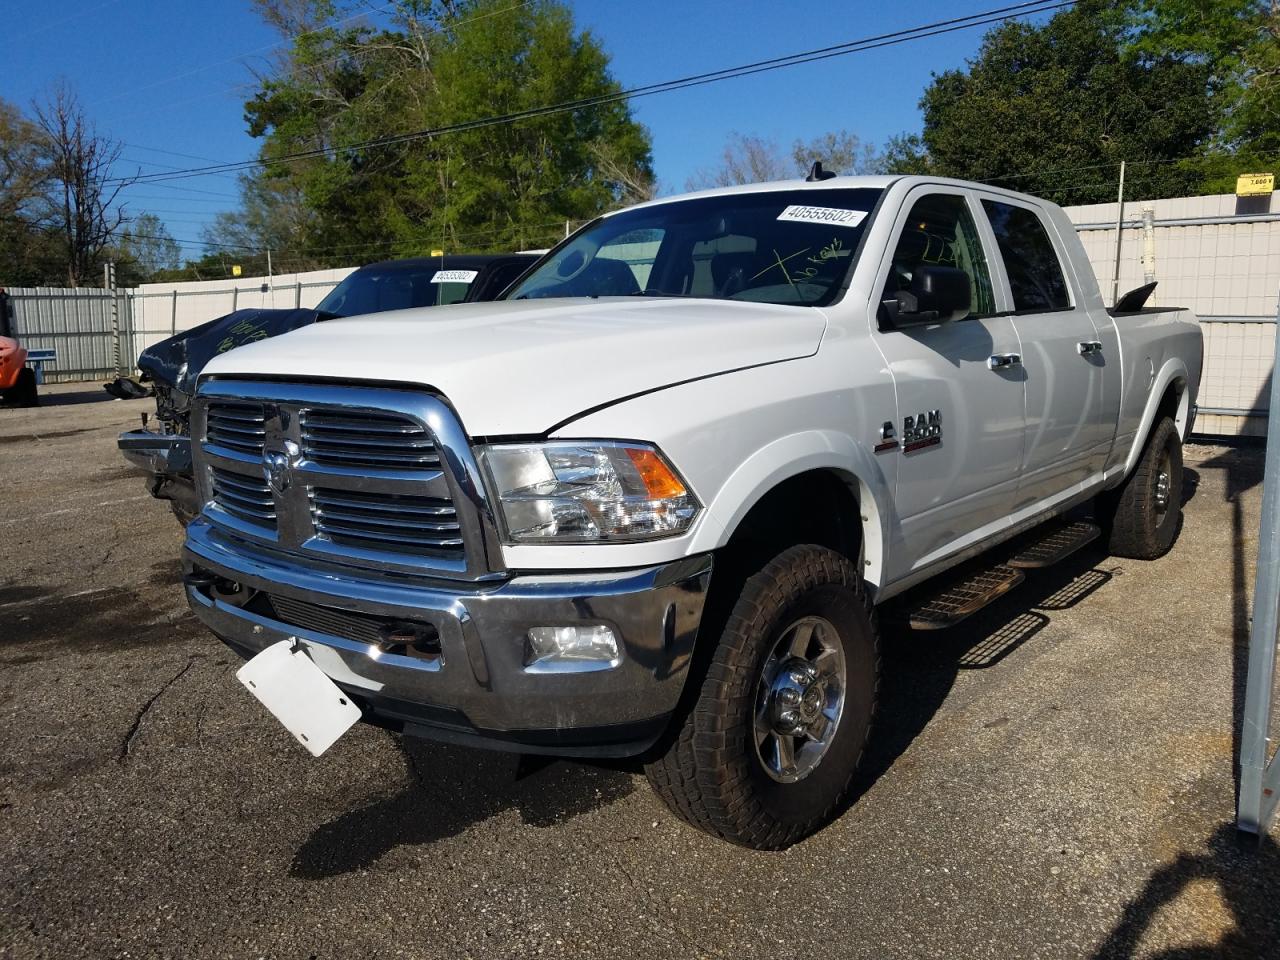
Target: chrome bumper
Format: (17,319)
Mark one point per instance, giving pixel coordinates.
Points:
(158,453)
(478,688)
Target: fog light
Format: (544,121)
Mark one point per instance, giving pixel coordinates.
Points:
(591,647)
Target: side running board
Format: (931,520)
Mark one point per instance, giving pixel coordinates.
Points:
(967,595)
(1056,545)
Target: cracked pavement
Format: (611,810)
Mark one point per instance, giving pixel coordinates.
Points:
(1053,778)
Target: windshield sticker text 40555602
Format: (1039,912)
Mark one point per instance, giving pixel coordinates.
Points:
(833,216)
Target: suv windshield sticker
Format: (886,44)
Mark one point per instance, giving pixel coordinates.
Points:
(454,276)
(832,215)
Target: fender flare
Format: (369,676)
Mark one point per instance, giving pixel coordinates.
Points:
(1174,370)
(791,456)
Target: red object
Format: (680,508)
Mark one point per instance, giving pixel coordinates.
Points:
(13,357)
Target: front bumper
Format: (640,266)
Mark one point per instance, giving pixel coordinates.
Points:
(477,688)
(157,453)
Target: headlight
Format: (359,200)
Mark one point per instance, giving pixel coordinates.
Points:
(587,492)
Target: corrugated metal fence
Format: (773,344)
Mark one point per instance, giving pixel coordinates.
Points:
(157,315)
(1225,267)
(82,327)
(78,323)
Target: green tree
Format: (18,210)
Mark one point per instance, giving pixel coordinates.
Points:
(1052,109)
(28,251)
(437,64)
(273,215)
(144,250)
(1239,41)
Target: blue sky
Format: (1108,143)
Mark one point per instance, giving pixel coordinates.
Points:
(172,75)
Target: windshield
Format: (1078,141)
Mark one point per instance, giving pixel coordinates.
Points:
(376,289)
(786,246)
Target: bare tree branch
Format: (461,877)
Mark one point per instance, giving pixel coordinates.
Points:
(83,186)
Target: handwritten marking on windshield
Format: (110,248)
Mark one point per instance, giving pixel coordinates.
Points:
(780,262)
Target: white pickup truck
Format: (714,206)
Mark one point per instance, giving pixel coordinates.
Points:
(649,503)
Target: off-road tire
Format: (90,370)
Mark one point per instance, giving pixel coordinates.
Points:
(24,393)
(710,774)
(1136,525)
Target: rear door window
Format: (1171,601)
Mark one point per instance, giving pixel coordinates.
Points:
(1030,262)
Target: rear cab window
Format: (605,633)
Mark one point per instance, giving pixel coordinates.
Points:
(1031,263)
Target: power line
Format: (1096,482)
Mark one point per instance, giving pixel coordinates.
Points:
(218,63)
(185,189)
(58,23)
(760,66)
(210,93)
(172,153)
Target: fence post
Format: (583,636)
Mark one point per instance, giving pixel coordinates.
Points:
(1260,781)
(117,351)
(297,295)
(173,314)
(235,298)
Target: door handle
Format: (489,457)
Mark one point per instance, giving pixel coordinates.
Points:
(1089,347)
(1002,361)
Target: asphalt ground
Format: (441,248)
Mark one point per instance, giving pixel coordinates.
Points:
(1053,778)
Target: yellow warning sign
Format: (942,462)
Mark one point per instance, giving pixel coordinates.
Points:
(437,253)
(1255,184)
(235,269)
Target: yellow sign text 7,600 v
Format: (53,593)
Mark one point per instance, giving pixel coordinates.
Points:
(1255,184)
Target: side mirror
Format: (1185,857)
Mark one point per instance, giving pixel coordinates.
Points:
(938,294)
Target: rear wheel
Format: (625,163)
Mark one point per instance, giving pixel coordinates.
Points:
(1142,514)
(24,392)
(768,751)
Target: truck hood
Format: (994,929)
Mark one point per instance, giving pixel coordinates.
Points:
(520,367)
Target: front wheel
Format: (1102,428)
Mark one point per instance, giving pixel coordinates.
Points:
(768,751)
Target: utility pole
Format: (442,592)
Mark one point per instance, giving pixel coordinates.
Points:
(1115,277)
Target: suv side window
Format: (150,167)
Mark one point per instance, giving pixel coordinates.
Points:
(940,230)
(1035,273)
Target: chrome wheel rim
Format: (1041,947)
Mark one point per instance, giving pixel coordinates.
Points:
(799,699)
(1164,484)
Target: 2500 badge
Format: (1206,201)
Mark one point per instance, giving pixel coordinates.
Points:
(921,431)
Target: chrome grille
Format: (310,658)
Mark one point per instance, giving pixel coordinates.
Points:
(244,497)
(359,439)
(388,522)
(344,476)
(239,426)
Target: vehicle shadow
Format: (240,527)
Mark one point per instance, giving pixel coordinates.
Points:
(68,398)
(452,788)
(919,668)
(1246,874)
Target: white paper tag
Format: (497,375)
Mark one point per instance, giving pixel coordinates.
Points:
(455,276)
(834,216)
